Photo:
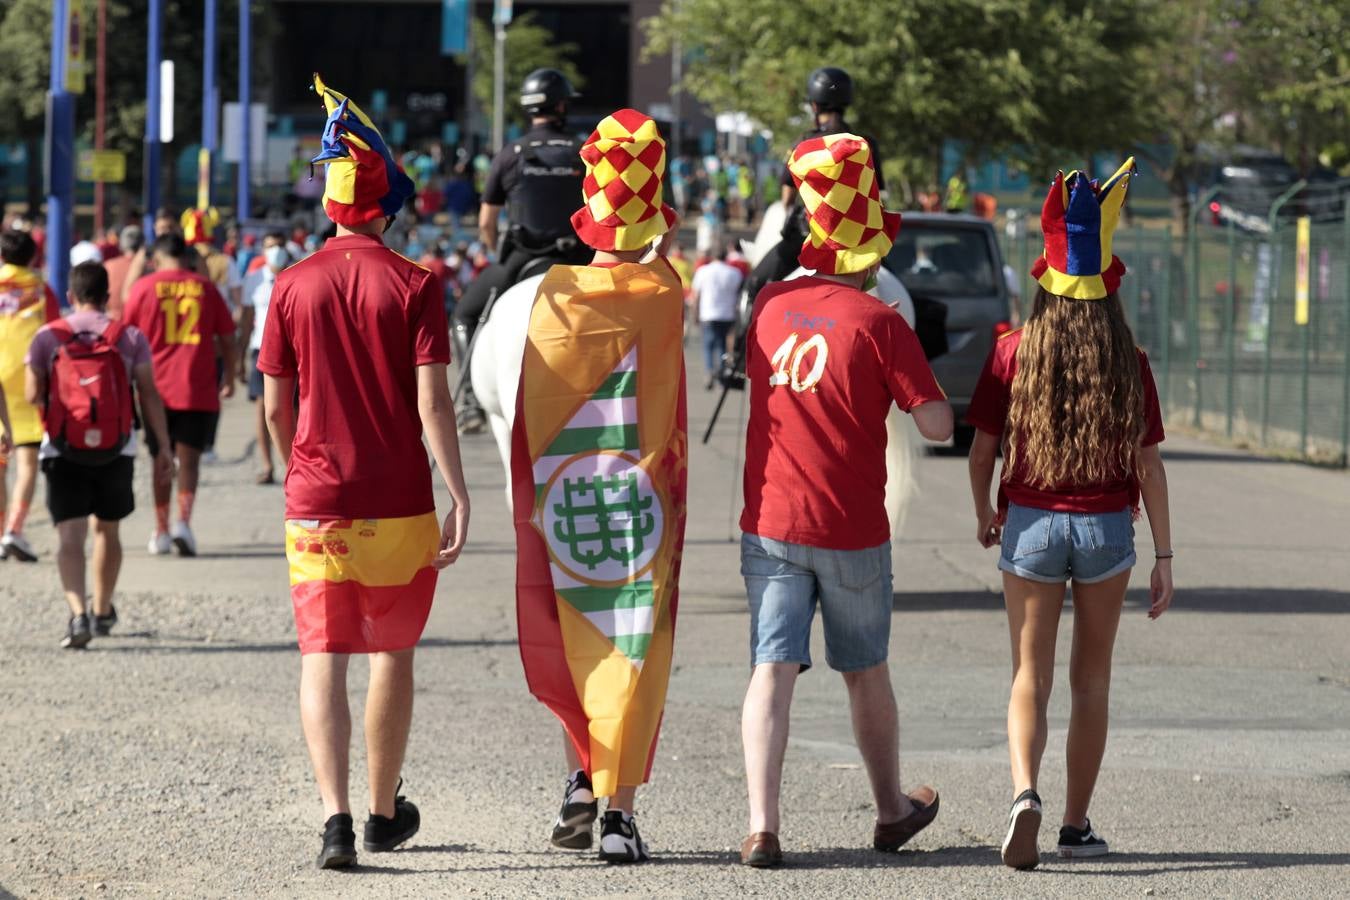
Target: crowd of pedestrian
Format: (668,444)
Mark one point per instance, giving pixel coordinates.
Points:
(352,403)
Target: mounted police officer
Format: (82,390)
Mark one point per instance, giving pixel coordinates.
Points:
(830,92)
(537,177)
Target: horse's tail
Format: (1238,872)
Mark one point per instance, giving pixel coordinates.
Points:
(903,449)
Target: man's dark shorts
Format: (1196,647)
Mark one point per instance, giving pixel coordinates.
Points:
(191,428)
(75,491)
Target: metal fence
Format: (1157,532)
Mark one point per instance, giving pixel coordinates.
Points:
(1247,328)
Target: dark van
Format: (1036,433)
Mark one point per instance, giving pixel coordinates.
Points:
(954,260)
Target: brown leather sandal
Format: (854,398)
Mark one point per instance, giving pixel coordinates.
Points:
(892,836)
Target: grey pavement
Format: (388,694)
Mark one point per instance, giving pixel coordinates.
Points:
(168,759)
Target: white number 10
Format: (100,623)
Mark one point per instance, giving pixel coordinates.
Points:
(787,363)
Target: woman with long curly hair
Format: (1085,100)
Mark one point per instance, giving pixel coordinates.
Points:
(1071,402)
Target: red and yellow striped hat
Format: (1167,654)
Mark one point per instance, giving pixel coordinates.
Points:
(849,230)
(625,161)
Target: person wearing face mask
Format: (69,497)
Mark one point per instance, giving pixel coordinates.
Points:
(252,319)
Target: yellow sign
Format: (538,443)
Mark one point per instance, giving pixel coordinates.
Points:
(77,24)
(203,178)
(102,165)
(1302,263)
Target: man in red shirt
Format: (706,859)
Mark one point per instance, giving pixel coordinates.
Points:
(825,361)
(363,331)
(187,323)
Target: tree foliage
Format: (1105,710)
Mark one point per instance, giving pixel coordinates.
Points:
(529,46)
(1044,82)
(25,60)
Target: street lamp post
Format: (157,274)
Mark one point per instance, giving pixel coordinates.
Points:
(60,153)
(243,203)
(154,51)
(209,95)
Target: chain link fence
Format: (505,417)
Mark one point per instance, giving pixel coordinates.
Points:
(1246,324)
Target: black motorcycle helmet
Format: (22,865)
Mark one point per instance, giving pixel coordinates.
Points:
(542,91)
(830,89)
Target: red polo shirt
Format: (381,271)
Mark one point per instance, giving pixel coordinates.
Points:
(989,413)
(353,322)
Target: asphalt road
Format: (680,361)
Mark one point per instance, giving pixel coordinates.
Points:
(168,760)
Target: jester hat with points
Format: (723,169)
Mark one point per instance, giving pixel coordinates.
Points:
(849,231)
(625,161)
(1078,220)
(362,182)
(198,225)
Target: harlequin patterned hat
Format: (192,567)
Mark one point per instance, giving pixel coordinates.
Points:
(362,181)
(198,225)
(625,161)
(1078,221)
(849,230)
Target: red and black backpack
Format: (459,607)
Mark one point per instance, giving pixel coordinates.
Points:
(88,414)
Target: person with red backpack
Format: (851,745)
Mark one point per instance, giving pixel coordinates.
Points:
(80,372)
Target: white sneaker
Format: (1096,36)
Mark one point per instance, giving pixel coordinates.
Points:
(620,841)
(16,546)
(160,544)
(183,540)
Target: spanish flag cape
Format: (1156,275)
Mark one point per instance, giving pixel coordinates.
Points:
(598,471)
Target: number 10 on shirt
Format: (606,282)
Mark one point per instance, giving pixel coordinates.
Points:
(790,358)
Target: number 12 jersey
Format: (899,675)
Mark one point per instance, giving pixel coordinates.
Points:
(181,313)
(825,361)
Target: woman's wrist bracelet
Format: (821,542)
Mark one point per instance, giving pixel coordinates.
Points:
(1168,555)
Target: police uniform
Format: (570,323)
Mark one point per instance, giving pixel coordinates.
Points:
(538,179)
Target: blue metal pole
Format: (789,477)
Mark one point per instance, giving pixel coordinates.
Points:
(60,156)
(243,202)
(153,52)
(209,94)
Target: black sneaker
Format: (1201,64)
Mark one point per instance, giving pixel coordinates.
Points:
(1078,843)
(77,633)
(339,843)
(572,830)
(103,625)
(384,834)
(619,839)
(1020,850)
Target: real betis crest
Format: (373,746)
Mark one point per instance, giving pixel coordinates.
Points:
(600,514)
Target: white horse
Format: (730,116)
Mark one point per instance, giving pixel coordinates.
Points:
(500,346)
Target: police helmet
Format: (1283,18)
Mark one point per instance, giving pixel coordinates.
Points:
(830,88)
(542,91)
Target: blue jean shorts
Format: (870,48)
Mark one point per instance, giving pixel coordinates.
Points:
(1053,547)
(785,582)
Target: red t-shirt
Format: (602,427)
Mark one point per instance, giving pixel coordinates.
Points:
(352,323)
(989,413)
(825,362)
(181,313)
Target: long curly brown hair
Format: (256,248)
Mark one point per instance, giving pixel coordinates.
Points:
(1077,410)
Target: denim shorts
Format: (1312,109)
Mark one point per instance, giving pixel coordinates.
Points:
(1053,547)
(785,581)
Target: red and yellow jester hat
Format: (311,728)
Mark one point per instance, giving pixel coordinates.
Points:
(1078,221)
(362,181)
(625,161)
(849,230)
(198,224)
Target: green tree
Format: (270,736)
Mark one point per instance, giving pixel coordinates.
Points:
(529,46)
(25,61)
(1044,82)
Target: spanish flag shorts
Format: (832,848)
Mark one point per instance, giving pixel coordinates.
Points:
(361,585)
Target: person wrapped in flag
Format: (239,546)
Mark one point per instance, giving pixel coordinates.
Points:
(598,468)
(363,332)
